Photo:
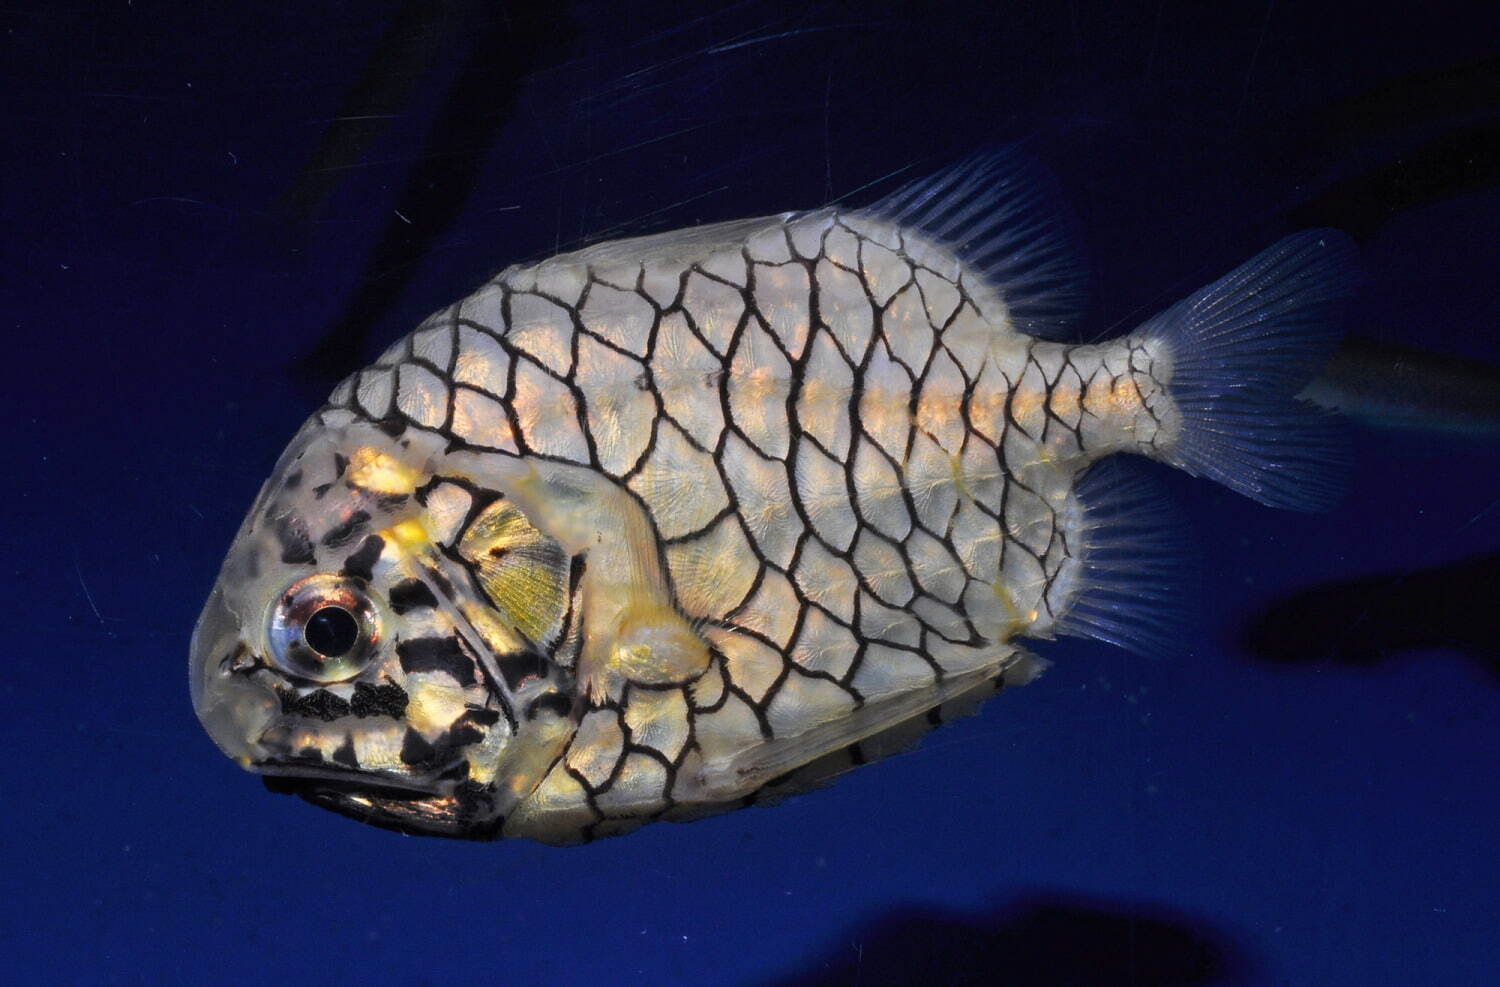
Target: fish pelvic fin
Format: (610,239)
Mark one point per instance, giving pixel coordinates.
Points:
(1234,356)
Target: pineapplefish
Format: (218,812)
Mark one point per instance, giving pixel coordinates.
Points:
(671,525)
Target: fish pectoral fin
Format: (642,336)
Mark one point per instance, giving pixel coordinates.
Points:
(632,631)
(655,646)
(648,643)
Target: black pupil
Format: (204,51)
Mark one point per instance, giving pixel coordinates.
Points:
(331,632)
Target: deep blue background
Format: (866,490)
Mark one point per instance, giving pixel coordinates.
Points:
(1305,798)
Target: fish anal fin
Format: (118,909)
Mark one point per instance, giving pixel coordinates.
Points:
(789,766)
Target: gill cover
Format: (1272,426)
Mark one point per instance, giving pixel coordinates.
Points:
(381,637)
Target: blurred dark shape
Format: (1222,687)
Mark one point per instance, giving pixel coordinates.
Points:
(505,44)
(419,32)
(1043,939)
(1395,386)
(1430,135)
(1448,166)
(1448,94)
(1363,622)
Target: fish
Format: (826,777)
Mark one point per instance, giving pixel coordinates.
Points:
(678,524)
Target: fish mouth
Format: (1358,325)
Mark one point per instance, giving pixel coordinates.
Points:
(233,710)
(462,813)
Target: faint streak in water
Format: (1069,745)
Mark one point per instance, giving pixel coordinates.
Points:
(86,594)
(581,163)
(765,38)
(875,181)
(178,198)
(611,231)
(137,97)
(357,116)
(1255,55)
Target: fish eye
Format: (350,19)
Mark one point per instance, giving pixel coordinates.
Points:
(324,628)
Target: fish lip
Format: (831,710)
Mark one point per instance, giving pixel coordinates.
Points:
(290,773)
(398,808)
(288,782)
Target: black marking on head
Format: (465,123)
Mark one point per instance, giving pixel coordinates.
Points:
(462,734)
(550,702)
(343,533)
(378,700)
(361,564)
(441,581)
(470,790)
(518,666)
(340,463)
(459,772)
(293,480)
(390,502)
(296,546)
(414,749)
(321,489)
(309,754)
(319,704)
(345,754)
(437,654)
(392,426)
(410,594)
(484,717)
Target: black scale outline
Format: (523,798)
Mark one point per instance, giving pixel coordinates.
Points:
(857,432)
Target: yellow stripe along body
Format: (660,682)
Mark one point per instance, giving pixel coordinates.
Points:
(858,476)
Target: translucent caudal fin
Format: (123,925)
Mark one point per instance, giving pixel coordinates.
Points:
(1240,350)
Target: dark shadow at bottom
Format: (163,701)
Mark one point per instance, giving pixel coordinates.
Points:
(1044,938)
(1364,622)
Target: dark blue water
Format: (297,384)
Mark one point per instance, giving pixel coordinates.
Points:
(1306,794)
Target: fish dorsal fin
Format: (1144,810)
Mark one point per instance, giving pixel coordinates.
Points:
(1002,214)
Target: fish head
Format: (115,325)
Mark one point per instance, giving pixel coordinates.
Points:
(382,638)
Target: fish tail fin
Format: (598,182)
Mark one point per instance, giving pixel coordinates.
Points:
(1238,351)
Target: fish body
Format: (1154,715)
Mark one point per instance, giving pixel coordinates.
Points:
(672,524)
